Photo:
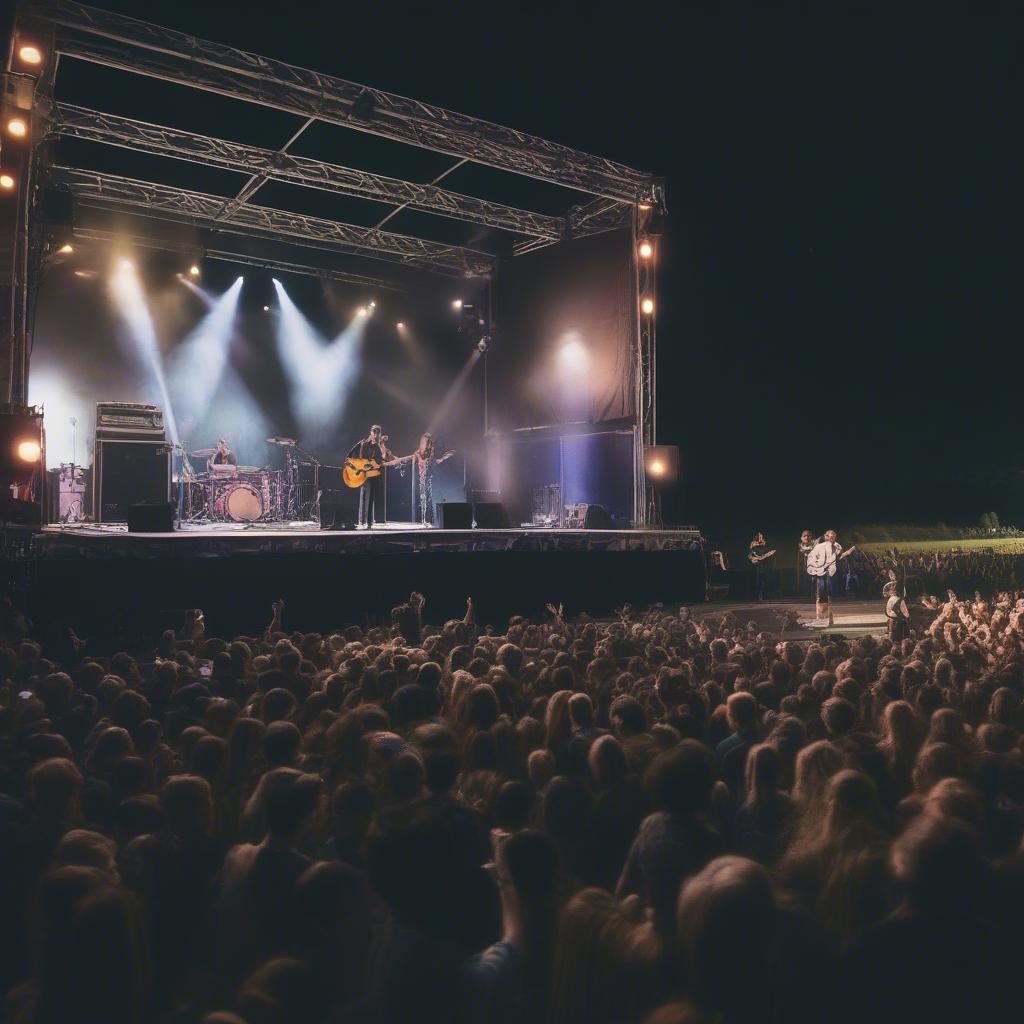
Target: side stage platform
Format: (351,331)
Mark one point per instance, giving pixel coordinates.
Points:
(111,585)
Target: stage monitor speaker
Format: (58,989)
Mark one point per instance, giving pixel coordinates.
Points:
(337,509)
(597,518)
(130,473)
(490,515)
(456,515)
(147,518)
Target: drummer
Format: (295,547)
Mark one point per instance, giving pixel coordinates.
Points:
(222,456)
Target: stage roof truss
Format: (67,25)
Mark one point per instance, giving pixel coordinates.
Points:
(278,165)
(92,188)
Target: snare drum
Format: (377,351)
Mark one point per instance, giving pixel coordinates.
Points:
(238,502)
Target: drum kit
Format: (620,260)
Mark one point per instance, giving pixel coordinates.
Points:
(244,494)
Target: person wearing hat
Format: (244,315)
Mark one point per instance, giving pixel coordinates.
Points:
(897,614)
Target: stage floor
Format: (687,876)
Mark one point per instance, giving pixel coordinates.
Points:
(104,540)
(793,619)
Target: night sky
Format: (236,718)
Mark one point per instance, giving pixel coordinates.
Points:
(834,318)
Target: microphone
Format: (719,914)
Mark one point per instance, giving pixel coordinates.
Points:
(385,437)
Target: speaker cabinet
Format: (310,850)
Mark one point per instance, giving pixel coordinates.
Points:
(597,518)
(490,515)
(158,518)
(130,473)
(456,515)
(337,509)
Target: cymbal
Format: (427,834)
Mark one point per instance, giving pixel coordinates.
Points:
(288,442)
(203,453)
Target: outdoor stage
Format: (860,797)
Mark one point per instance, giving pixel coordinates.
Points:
(793,619)
(109,584)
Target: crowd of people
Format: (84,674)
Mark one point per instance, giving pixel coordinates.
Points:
(961,570)
(657,819)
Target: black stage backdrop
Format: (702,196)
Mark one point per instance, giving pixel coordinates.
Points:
(564,317)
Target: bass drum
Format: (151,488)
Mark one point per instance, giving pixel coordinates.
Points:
(238,503)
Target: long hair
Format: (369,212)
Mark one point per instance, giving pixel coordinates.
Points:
(426,448)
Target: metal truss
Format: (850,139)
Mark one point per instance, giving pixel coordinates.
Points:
(166,203)
(81,123)
(192,251)
(137,46)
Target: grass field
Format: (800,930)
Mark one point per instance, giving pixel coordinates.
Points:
(1002,546)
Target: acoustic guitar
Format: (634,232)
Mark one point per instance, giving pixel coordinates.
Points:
(761,558)
(356,472)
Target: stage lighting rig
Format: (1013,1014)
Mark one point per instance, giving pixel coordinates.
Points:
(17,127)
(483,344)
(30,54)
(6,181)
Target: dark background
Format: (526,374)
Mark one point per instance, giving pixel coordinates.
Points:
(836,335)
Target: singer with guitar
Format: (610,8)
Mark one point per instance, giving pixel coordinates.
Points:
(364,468)
(761,559)
(425,459)
(822,563)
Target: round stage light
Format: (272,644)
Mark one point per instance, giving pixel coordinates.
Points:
(646,250)
(373,305)
(66,248)
(400,325)
(18,127)
(6,181)
(266,309)
(456,303)
(361,311)
(194,270)
(30,54)
(647,307)
(29,451)
(657,468)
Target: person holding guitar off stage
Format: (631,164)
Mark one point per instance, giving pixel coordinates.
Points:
(761,559)
(425,459)
(374,450)
(822,563)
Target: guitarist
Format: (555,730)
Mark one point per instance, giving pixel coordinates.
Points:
(761,559)
(371,493)
(822,563)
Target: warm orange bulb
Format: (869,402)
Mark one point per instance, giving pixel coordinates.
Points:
(646,250)
(18,127)
(66,248)
(30,54)
(6,181)
(647,306)
(29,451)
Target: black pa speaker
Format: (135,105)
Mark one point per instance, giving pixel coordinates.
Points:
(130,473)
(456,515)
(337,509)
(490,515)
(597,518)
(155,518)
(329,478)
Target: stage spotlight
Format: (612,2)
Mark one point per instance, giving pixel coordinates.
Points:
(643,206)
(573,356)
(372,304)
(29,54)
(661,462)
(483,344)
(126,264)
(647,306)
(646,250)
(400,325)
(266,309)
(18,127)
(29,451)
(87,274)
(6,181)
(66,249)
(362,311)
(194,270)
(456,303)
